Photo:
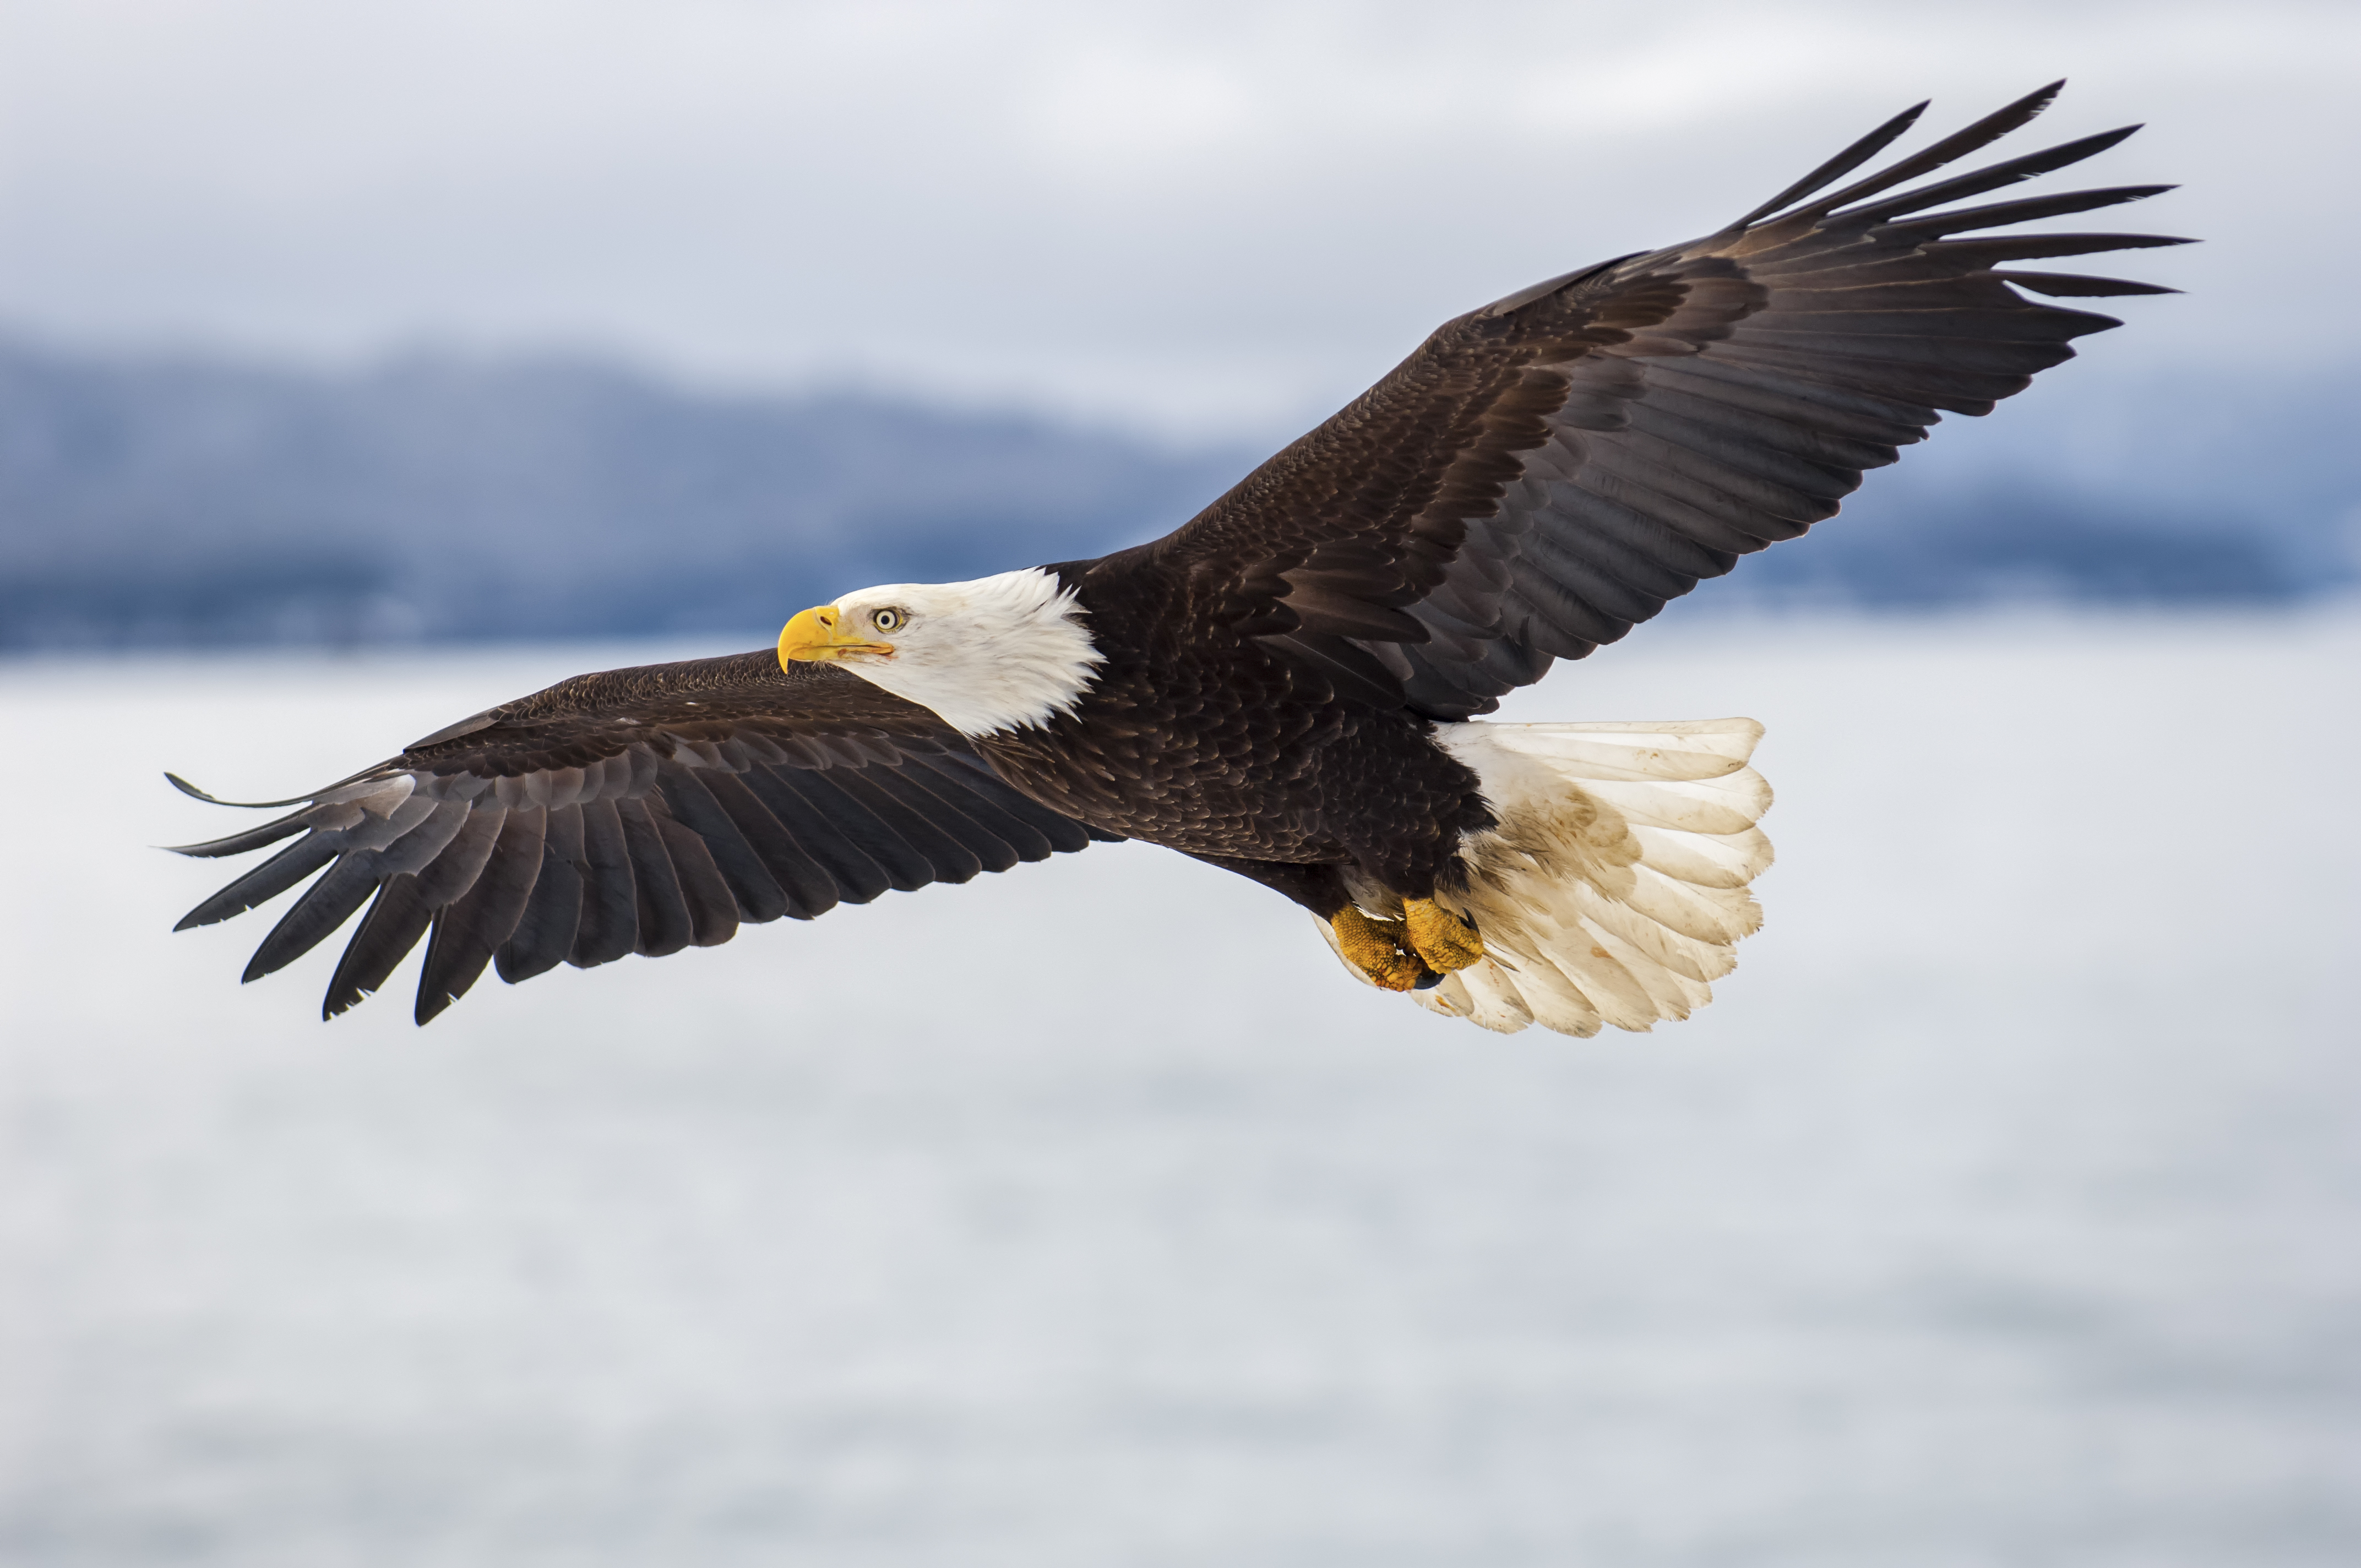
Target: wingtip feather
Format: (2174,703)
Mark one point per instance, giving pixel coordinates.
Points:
(1983,133)
(1837,168)
(185,788)
(2075,285)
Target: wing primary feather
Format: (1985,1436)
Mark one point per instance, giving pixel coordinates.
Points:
(326,905)
(1839,166)
(241,843)
(388,769)
(391,927)
(468,931)
(442,979)
(2075,285)
(2013,171)
(264,882)
(2026,210)
(1991,249)
(1959,144)
(185,788)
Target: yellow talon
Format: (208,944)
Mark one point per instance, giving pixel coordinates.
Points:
(1374,948)
(1442,939)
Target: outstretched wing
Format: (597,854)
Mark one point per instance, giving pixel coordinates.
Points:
(1546,472)
(635,811)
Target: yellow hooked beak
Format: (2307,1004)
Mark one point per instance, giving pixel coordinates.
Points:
(820,634)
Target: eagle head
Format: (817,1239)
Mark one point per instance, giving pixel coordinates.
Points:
(996,654)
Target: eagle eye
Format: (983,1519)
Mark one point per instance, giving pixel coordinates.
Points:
(886,619)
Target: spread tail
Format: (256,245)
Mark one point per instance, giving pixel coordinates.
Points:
(1613,889)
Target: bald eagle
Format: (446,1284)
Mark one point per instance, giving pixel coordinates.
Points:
(1287,685)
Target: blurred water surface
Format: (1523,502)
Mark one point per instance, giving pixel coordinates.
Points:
(1998,1211)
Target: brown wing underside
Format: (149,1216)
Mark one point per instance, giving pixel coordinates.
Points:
(1547,472)
(633,811)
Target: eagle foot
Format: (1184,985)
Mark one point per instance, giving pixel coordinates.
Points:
(1377,949)
(1443,940)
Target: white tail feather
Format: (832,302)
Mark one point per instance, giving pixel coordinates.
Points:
(1613,888)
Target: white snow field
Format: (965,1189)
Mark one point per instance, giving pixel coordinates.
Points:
(2002,1210)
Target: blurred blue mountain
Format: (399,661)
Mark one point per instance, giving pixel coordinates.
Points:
(171,500)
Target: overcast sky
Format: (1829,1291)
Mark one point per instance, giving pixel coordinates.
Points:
(1204,218)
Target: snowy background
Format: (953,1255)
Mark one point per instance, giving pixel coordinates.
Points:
(507,319)
(1205,216)
(1998,1211)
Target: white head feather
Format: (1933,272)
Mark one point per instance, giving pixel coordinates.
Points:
(996,654)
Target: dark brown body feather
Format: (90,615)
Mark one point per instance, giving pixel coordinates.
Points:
(1224,747)
(1541,476)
